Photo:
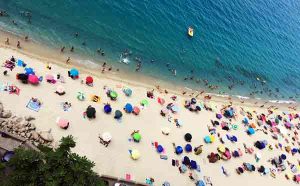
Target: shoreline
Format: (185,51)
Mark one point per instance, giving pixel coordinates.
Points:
(50,55)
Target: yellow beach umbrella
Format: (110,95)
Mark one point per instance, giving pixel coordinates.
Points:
(135,154)
(212,138)
(221,148)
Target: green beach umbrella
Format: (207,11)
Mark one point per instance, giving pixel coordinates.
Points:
(80,96)
(113,94)
(144,102)
(137,136)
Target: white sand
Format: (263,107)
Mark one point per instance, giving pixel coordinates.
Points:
(115,160)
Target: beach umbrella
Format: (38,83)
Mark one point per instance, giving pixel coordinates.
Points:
(161,100)
(137,136)
(128,108)
(219,116)
(91,112)
(200,183)
(144,102)
(166,184)
(251,131)
(127,92)
(49,77)
(60,89)
(118,114)
(283,156)
(193,101)
(207,139)
(7,156)
(193,164)
(233,139)
(175,108)
(80,96)
(135,154)
(179,150)
(188,137)
(29,71)
(74,72)
(221,148)
(136,110)
(62,123)
(160,149)
(113,94)
(186,161)
(245,121)
(106,136)
(89,80)
(107,109)
(33,79)
(258,156)
(297,178)
(212,138)
(188,148)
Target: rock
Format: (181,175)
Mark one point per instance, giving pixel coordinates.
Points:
(6,114)
(47,136)
(1,107)
(32,126)
(19,119)
(35,135)
(22,134)
(29,118)
(35,143)
(28,135)
(2,120)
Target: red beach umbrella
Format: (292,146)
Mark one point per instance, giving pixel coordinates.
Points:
(89,80)
(33,79)
(136,110)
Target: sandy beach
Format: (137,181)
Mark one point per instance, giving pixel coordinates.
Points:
(115,159)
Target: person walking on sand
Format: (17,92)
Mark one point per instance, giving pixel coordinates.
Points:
(7,41)
(62,49)
(68,60)
(19,44)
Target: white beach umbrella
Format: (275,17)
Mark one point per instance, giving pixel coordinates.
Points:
(106,136)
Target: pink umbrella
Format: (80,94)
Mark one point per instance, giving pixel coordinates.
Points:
(136,110)
(62,123)
(160,100)
(33,79)
(49,77)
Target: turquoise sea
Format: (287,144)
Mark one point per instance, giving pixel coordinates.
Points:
(250,46)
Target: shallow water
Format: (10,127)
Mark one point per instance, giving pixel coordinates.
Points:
(252,39)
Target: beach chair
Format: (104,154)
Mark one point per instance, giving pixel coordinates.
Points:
(207,180)
(105,143)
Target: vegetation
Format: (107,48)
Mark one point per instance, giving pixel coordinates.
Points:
(51,167)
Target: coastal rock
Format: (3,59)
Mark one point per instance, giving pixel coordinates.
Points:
(47,136)
(32,126)
(2,120)
(6,114)
(29,118)
(22,134)
(35,135)
(1,107)
(28,135)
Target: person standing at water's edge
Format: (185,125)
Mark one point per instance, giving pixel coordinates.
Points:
(68,60)
(19,44)
(7,41)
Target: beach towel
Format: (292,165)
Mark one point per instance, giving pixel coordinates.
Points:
(35,106)
(21,63)
(163,157)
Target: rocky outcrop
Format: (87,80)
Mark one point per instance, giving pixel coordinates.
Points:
(24,127)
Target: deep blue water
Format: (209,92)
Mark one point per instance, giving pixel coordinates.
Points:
(253,38)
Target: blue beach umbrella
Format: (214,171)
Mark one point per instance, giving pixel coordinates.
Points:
(29,71)
(188,148)
(74,72)
(107,109)
(193,164)
(127,92)
(245,121)
(160,149)
(128,108)
(178,150)
(7,156)
(251,131)
(207,139)
(200,183)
